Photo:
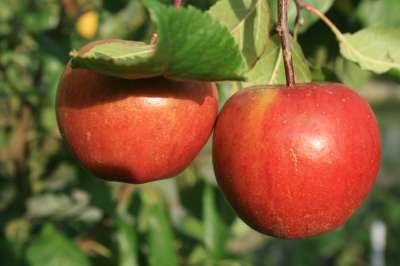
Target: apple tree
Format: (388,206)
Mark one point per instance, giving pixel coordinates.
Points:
(54,211)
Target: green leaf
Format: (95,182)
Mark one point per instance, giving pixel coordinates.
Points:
(249,22)
(160,235)
(309,19)
(350,73)
(126,59)
(52,248)
(191,45)
(379,13)
(127,241)
(375,49)
(214,229)
(270,68)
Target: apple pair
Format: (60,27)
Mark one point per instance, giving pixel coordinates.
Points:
(293,162)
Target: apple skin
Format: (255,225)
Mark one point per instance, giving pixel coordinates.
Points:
(134,131)
(296,162)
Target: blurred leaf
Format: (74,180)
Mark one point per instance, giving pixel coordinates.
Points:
(190,187)
(42,15)
(333,242)
(199,256)
(214,228)
(309,19)
(63,176)
(192,227)
(17,232)
(52,248)
(7,194)
(350,73)
(351,255)
(375,49)
(124,22)
(48,118)
(379,13)
(270,68)
(47,205)
(127,241)
(7,10)
(160,235)
(207,53)
(99,191)
(249,23)
(61,206)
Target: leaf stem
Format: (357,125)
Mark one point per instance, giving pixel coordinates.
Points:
(285,42)
(178,3)
(325,19)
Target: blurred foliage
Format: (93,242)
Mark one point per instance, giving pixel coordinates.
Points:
(54,213)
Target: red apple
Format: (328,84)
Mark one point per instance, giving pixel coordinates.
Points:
(134,131)
(296,162)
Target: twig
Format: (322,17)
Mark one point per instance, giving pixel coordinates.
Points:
(285,42)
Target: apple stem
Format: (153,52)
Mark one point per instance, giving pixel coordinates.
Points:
(285,42)
(178,3)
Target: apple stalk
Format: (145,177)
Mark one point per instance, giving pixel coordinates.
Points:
(284,35)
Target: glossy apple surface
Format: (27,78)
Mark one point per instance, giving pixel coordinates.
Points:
(296,162)
(134,131)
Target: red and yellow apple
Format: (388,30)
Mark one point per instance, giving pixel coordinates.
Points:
(296,162)
(134,131)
